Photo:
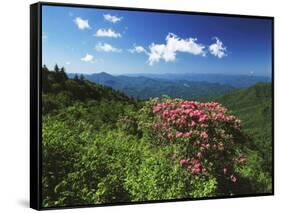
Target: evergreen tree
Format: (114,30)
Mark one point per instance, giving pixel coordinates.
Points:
(62,70)
(56,68)
(82,77)
(45,82)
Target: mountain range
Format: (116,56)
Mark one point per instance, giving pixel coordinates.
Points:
(237,81)
(192,86)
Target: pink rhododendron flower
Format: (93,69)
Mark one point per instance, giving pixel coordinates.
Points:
(203,126)
(208,128)
(192,124)
(199,154)
(188,134)
(179,134)
(170,135)
(183,162)
(204,135)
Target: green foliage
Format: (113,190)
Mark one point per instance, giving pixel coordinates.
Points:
(259,180)
(254,107)
(154,175)
(59,91)
(61,145)
(99,147)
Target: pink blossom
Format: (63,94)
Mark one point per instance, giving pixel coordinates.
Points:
(179,134)
(204,135)
(183,162)
(203,126)
(175,119)
(192,123)
(170,135)
(188,134)
(199,154)
(203,118)
(156,109)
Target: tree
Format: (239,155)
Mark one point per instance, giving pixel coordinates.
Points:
(63,74)
(82,77)
(76,77)
(45,82)
(56,68)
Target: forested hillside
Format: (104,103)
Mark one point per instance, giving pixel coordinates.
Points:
(100,146)
(60,91)
(253,106)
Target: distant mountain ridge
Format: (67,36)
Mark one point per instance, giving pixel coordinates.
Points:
(237,81)
(142,87)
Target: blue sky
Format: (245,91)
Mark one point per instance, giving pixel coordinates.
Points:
(87,40)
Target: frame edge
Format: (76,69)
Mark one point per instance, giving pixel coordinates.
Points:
(35,191)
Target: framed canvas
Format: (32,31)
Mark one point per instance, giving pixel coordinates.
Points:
(133,105)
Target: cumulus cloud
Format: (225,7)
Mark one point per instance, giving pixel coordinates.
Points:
(137,49)
(88,58)
(174,44)
(104,47)
(217,49)
(107,33)
(68,63)
(111,18)
(82,23)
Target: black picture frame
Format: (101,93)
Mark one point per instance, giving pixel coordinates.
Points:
(36,100)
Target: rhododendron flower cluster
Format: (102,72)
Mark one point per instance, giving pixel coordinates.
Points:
(208,133)
(194,166)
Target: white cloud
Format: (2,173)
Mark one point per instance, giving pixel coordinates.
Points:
(107,33)
(104,47)
(111,18)
(137,49)
(68,63)
(82,23)
(88,58)
(174,44)
(218,49)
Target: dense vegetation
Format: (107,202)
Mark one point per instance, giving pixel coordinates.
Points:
(253,106)
(99,146)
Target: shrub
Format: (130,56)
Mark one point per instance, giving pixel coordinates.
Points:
(209,137)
